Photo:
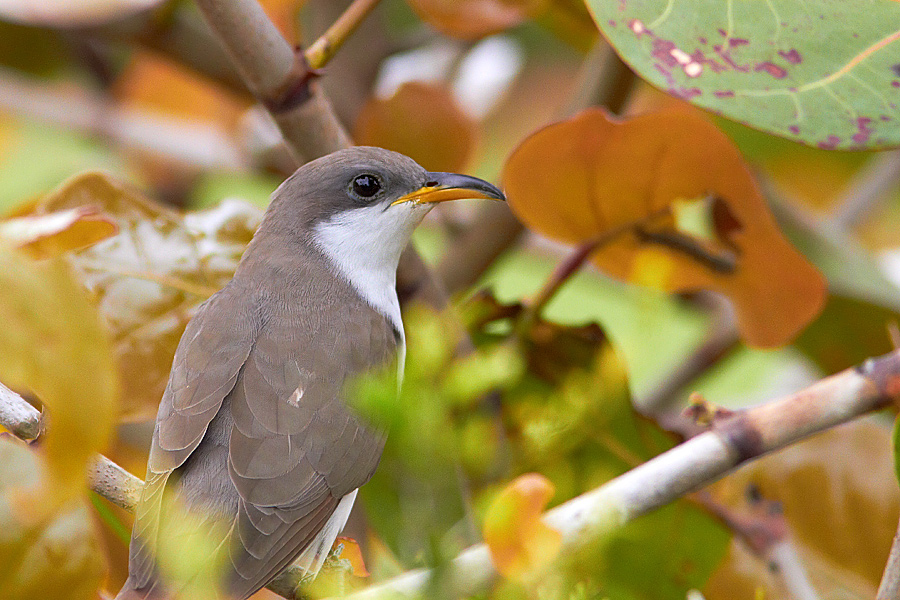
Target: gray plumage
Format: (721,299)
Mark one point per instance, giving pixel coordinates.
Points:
(253,428)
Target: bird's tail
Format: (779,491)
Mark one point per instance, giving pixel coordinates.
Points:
(128,592)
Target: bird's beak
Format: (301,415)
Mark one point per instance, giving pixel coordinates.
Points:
(442,187)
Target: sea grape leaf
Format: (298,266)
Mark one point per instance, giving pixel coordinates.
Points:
(423,121)
(149,278)
(819,72)
(671,204)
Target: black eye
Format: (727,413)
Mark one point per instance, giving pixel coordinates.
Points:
(366,185)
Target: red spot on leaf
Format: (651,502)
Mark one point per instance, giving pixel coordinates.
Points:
(702,40)
(772,69)
(611,23)
(723,94)
(830,143)
(735,42)
(863,131)
(885,118)
(895,84)
(794,129)
(685,93)
(792,56)
(699,57)
(662,51)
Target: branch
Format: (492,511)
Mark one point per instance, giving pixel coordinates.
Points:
(764,530)
(735,440)
(277,75)
(889,589)
(867,190)
(323,49)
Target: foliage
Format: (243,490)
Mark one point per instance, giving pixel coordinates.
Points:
(525,394)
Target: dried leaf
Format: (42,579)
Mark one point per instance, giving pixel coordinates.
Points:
(55,557)
(70,13)
(148,279)
(517,538)
(53,234)
(474,19)
(675,207)
(54,343)
(422,121)
(840,500)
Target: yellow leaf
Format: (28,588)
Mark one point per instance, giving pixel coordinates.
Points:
(351,552)
(56,557)
(518,540)
(674,205)
(43,236)
(54,343)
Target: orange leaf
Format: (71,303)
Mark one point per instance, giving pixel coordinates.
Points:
(474,19)
(676,208)
(352,553)
(518,540)
(43,236)
(422,121)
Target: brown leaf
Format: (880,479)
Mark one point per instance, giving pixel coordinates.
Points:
(422,121)
(148,279)
(673,206)
(840,500)
(518,540)
(53,234)
(474,19)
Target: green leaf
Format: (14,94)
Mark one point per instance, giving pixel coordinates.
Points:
(820,72)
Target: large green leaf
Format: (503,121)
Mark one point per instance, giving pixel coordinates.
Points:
(822,72)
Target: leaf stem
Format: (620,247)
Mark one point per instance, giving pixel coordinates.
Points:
(323,49)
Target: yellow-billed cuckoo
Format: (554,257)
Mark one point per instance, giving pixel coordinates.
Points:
(252,427)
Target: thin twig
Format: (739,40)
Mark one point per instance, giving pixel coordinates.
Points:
(721,340)
(737,439)
(323,49)
(278,76)
(868,189)
(733,441)
(889,589)
(602,80)
(764,531)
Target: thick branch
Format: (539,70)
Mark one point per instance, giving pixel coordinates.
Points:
(735,440)
(277,75)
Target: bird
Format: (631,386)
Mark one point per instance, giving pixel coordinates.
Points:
(254,427)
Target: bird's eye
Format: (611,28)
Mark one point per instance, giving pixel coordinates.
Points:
(366,185)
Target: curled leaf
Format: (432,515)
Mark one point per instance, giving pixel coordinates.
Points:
(52,234)
(518,540)
(671,204)
(422,121)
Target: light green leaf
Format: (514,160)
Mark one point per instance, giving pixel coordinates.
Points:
(820,72)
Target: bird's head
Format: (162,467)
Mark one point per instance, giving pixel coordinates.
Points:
(363,203)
